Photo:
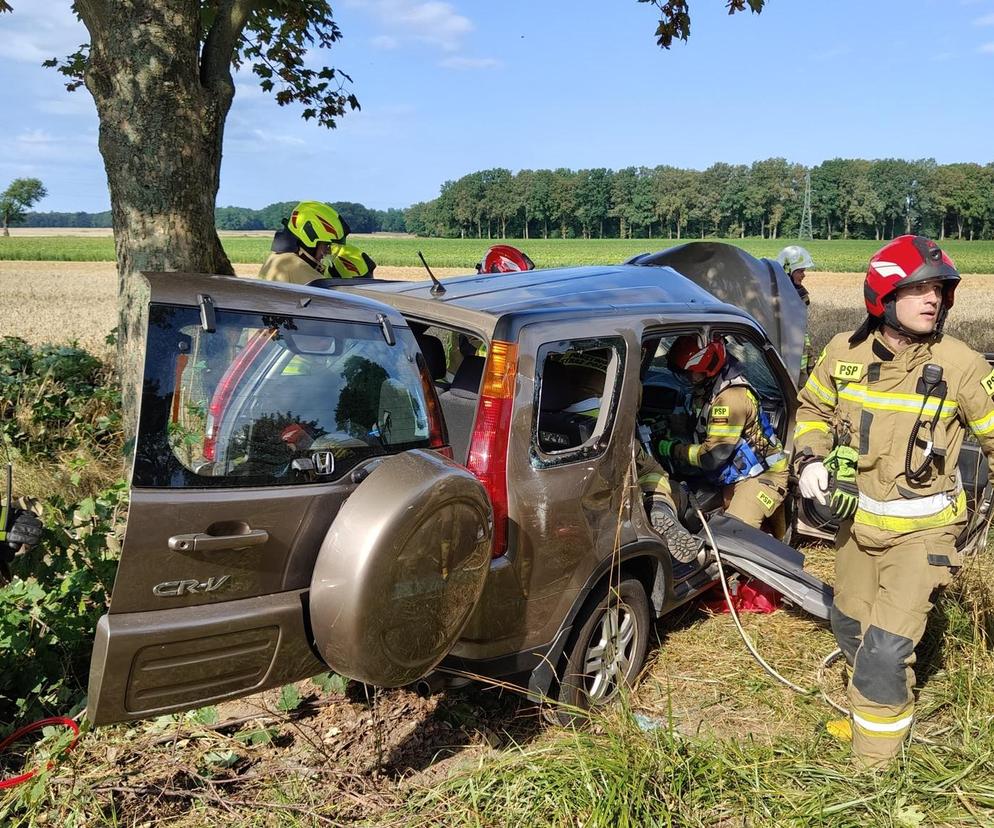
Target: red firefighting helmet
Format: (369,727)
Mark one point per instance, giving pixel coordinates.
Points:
(905,261)
(502,258)
(691,354)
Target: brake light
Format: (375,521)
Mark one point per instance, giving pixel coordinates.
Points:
(491,430)
(438,437)
(226,387)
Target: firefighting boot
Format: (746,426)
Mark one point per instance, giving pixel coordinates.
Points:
(682,545)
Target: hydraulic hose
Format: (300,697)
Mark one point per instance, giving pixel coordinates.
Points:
(60,721)
(827,662)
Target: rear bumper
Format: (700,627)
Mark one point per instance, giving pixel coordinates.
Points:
(146,664)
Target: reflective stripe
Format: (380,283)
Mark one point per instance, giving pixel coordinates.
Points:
(776,462)
(819,390)
(985,425)
(804,426)
(910,515)
(724,430)
(893,401)
(694,455)
(878,725)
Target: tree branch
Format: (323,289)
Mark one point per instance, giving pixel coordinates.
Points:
(93,13)
(219,45)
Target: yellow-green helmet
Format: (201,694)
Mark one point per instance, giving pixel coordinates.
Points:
(349,262)
(314,221)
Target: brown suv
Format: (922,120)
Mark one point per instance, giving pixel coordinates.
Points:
(381,476)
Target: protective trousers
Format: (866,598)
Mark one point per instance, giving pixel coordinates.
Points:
(755,499)
(882,600)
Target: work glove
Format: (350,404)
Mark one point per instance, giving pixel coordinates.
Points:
(682,545)
(665,448)
(25,530)
(841,464)
(813,482)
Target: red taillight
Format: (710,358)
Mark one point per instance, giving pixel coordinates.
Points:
(491,429)
(438,437)
(226,387)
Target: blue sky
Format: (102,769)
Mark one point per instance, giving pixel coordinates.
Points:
(451,87)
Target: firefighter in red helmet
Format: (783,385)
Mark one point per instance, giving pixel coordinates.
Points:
(503,258)
(736,445)
(879,430)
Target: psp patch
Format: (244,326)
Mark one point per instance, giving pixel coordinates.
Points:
(848,371)
(720,411)
(987,383)
(766,500)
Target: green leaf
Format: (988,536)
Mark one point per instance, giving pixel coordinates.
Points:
(331,683)
(289,698)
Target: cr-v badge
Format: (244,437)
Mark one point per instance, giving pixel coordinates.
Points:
(175,589)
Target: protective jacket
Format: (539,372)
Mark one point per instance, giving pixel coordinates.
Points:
(735,440)
(288,267)
(901,544)
(807,354)
(867,397)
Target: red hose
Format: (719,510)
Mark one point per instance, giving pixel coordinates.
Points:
(31,728)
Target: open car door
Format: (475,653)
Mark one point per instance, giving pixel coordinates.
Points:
(758,286)
(266,409)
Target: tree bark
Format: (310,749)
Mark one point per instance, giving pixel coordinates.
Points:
(162,107)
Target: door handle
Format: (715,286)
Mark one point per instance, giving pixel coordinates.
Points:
(206,542)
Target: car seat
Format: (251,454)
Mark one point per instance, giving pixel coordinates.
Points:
(569,394)
(459,405)
(434,354)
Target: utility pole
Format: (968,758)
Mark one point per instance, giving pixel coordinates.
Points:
(806,231)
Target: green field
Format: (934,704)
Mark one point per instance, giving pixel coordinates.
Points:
(849,256)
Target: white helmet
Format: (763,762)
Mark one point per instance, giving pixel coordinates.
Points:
(794,257)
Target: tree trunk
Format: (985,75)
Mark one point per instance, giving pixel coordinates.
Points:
(162,115)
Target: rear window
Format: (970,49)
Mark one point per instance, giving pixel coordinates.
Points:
(272,400)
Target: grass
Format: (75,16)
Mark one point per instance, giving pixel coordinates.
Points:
(842,256)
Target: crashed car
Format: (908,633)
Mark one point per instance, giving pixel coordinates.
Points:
(324,478)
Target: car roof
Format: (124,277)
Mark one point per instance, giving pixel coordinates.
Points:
(481,300)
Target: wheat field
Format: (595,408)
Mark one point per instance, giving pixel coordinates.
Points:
(62,302)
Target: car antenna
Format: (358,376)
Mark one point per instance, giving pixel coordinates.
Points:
(437,288)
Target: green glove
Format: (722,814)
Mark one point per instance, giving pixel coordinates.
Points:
(665,448)
(841,464)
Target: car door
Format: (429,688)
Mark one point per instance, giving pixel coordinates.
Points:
(264,409)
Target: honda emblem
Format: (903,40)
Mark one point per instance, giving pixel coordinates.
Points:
(324,462)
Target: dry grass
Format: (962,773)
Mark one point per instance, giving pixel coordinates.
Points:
(66,301)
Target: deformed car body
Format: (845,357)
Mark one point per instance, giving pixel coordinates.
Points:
(330,478)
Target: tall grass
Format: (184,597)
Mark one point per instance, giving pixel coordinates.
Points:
(629,769)
(845,256)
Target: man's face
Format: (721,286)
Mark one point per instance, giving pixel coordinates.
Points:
(321,250)
(797,275)
(917,306)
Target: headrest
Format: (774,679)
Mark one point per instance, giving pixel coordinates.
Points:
(469,375)
(434,354)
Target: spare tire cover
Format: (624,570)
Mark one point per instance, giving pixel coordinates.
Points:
(401,569)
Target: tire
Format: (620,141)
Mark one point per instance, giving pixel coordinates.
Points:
(590,680)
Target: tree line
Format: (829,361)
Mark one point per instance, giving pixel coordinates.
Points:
(361,219)
(850,198)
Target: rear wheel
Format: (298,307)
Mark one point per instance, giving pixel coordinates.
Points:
(607,651)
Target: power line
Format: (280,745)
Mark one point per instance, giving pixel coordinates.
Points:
(806,231)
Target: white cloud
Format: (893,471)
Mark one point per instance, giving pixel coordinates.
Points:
(34,136)
(36,32)
(470,63)
(74,103)
(986,20)
(987,49)
(434,23)
(385,42)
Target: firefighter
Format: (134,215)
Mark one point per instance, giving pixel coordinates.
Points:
(736,446)
(346,261)
(503,258)
(879,430)
(796,261)
(299,249)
